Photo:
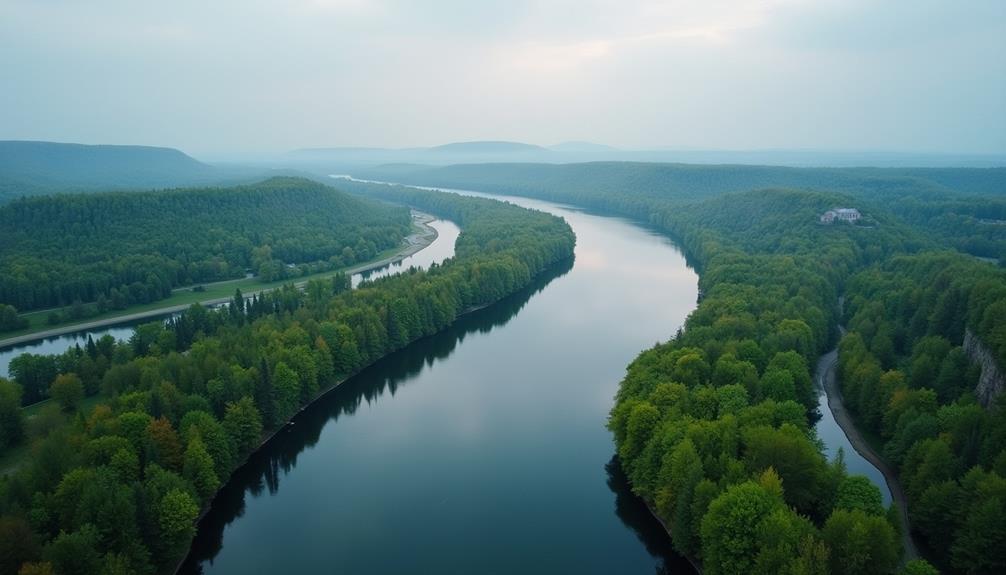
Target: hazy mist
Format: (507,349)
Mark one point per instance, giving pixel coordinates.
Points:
(256,76)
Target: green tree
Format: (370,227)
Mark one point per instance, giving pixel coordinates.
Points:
(198,468)
(177,514)
(858,492)
(730,529)
(919,567)
(213,435)
(860,543)
(795,458)
(75,553)
(68,391)
(11,415)
(163,446)
(243,425)
(286,391)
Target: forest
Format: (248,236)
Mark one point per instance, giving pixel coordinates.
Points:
(103,251)
(117,488)
(910,376)
(964,207)
(714,427)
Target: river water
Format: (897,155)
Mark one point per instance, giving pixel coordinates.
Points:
(481,449)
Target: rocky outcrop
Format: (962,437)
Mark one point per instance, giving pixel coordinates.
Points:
(991,382)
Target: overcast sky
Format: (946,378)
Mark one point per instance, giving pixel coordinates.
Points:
(214,76)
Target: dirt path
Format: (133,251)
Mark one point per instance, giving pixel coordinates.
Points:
(826,373)
(413,243)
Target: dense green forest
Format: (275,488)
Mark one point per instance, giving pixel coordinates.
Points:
(117,488)
(912,384)
(964,207)
(713,427)
(116,249)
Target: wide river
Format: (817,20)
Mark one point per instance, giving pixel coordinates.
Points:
(481,449)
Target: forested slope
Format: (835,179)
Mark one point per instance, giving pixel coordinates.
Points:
(712,427)
(119,248)
(911,383)
(117,489)
(963,207)
(30,168)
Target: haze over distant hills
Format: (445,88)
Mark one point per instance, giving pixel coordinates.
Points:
(33,167)
(580,151)
(30,168)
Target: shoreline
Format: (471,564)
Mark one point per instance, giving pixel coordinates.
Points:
(826,375)
(266,438)
(414,243)
(696,564)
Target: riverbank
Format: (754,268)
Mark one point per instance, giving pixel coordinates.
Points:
(269,435)
(412,244)
(695,562)
(826,375)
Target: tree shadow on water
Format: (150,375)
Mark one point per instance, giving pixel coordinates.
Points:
(637,517)
(264,468)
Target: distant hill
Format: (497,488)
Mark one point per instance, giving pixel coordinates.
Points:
(32,168)
(694,181)
(486,147)
(578,146)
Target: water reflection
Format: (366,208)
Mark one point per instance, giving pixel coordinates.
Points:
(264,468)
(634,514)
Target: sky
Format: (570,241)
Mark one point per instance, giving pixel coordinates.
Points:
(257,76)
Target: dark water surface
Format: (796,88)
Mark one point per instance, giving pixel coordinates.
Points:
(481,449)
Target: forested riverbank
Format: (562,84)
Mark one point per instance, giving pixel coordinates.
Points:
(221,292)
(392,470)
(717,419)
(936,412)
(107,251)
(118,489)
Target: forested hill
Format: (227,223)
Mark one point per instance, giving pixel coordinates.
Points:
(690,181)
(31,168)
(121,248)
(965,208)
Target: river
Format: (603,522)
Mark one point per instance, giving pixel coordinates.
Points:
(481,449)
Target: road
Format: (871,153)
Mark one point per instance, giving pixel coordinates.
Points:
(412,244)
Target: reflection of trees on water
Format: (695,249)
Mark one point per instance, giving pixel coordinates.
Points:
(634,514)
(265,467)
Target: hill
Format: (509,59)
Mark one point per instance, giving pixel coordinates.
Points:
(119,249)
(486,147)
(32,168)
(578,146)
(963,207)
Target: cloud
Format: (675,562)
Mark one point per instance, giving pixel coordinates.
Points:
(272,75)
